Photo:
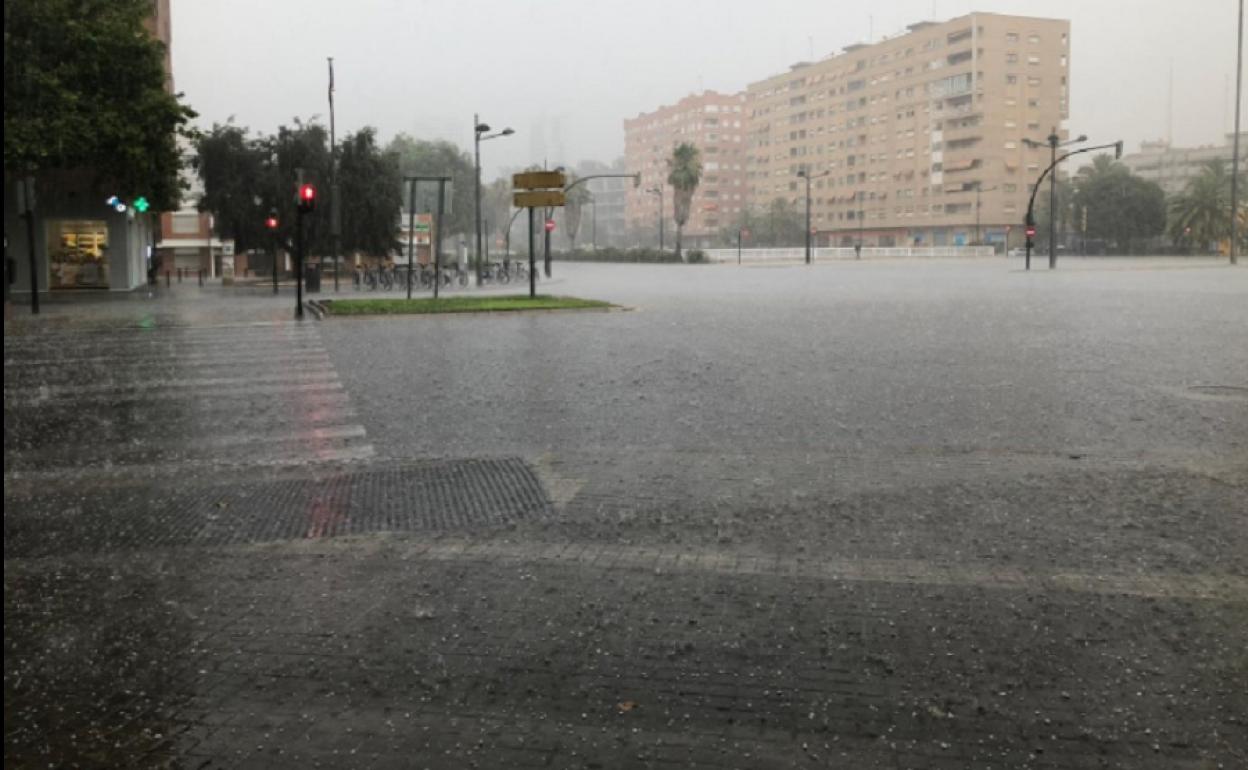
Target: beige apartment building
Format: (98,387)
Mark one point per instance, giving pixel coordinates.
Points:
(715,124)
(899,136)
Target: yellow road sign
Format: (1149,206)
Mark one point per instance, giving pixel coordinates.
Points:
(539,180)
(538,199)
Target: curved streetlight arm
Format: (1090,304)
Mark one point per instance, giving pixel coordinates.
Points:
(1030,221)
(581,180)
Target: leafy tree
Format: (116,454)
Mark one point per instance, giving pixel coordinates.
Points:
(1201,214)
(440,158)
(496,205)
(781,223)
(684,172)
(371,194)
(1066,222)
(84,89)
(1123,208)
(245,177)
(233,167)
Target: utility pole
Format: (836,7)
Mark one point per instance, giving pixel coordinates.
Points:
(807,177)
(1053,140)
(335,212)
(979,238)
(480,133)
(659,192)
(1239,92)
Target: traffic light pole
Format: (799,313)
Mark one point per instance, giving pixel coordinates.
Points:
(1030,221)
(299,264)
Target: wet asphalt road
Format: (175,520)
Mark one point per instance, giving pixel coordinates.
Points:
(880,514)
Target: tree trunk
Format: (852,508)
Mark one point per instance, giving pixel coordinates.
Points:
(679,228)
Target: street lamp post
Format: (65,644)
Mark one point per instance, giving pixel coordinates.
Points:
(335,212)
(659,192)
(480,133)
(979,188)
(862,224)
(1054,141)
(808,176)
(1239,97)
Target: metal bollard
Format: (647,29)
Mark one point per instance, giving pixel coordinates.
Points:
(180,271)
(167,276)
(201,276)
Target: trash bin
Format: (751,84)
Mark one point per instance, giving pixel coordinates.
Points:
(312,278)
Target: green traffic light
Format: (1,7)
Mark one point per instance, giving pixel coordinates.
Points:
(141,205)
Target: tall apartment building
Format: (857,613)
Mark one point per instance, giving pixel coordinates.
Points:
(899,135)
(715,124)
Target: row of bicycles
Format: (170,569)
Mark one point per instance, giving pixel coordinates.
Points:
(390,276)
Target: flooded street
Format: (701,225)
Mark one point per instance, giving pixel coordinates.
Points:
(899,513)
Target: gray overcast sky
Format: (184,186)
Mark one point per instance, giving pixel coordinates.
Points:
(565,73)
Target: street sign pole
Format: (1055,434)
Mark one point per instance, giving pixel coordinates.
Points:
(546,252)
(532,259)
(299,264)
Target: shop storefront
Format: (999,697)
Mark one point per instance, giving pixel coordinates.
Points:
(78,253)
(81,242)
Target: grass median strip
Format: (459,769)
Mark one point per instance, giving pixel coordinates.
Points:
(459,305)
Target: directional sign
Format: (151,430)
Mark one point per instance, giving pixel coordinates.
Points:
(538,199)
(539,180)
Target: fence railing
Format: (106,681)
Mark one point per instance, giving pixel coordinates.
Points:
(839,252)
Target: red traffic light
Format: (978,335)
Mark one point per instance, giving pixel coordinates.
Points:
(307,197)
(271,222)
(550,225)
(1031,232)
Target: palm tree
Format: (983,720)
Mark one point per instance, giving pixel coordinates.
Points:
(684,171)
(1201,214)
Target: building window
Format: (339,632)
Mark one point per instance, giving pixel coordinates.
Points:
(1011,58)
(186,224)
(1011,37)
